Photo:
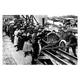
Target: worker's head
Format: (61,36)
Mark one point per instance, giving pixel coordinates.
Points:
(69,32)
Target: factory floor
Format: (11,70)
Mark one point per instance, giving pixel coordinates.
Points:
(11,56)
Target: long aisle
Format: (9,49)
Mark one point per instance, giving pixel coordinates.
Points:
(11,56)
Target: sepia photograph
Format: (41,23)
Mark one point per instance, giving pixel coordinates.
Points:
(40,40)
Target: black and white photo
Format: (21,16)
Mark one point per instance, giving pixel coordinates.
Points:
(40,40)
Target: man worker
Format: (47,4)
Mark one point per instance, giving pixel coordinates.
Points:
(72,42)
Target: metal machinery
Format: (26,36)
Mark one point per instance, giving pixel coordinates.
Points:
(56,48)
